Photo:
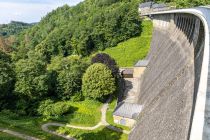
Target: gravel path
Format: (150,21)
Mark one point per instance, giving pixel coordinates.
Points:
(18,134)
(103,122)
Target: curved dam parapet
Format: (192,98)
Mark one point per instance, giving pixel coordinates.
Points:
(175,87)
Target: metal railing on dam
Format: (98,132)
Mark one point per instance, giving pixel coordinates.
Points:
(175,88)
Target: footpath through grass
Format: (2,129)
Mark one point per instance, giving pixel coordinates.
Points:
(127,53)
(84,113)
(27,125)
(101,133)
(5,136)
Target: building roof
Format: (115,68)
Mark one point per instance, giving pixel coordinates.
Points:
(161,5)
(146,4)
(127,110)
(142,63)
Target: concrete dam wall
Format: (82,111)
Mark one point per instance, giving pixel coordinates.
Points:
(171,83)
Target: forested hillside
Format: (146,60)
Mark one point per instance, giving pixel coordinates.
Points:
(89,26)
(13,28)
(9,33)
(50,54)
(50,58)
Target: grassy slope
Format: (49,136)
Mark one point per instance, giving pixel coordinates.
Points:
(5,136)
(101,133)
(129,52)
(26,125)
(86,113)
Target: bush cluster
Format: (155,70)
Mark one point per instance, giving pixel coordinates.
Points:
(49,109)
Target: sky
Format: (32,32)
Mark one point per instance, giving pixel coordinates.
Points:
(29,11)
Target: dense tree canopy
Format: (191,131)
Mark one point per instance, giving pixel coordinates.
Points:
(7,79)
(32,79)
(91,25)
(69,71)
(98,81)
(5,57)
(13,28)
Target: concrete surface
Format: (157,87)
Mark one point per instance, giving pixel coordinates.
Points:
(174,86)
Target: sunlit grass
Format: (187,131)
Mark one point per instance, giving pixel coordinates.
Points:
(84,113)
(101,133)
(127,53)
(27,125)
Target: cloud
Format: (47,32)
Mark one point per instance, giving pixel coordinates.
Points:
(29,10)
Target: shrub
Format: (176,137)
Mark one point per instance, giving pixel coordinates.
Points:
(98,81)
(49,109)
(9,114)
(77,97)
(108,61)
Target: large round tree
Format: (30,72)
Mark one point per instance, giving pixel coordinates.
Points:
(98,81)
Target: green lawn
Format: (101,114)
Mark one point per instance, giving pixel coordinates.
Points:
(109,116)
(129,52)
(101,133)
(26,125)
(5,136)
(85,113)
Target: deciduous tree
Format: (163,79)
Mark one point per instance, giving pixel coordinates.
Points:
(98,81)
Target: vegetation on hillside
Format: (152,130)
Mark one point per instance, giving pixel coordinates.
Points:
(101,133)
(50,67)
(48,62)
(91,25)
(127,53)
(9,33)
(13,28)
(5,136)
(82,113)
